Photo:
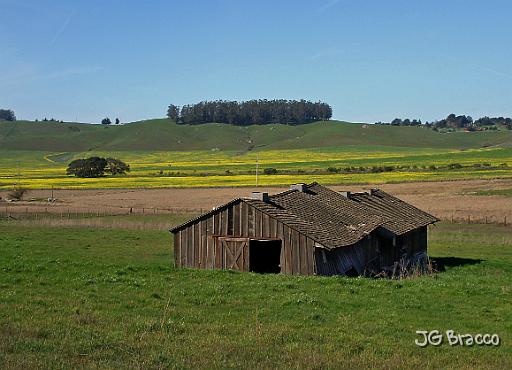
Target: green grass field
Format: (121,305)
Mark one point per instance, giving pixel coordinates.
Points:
(79,297)
(163,154)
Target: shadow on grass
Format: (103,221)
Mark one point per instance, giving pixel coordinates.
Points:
(441,263)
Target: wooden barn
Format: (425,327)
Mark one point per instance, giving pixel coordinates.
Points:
(310,230)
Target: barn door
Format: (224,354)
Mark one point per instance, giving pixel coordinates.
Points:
(235,252)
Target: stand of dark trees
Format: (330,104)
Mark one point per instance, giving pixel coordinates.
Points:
(49,120)
(490,121)
(252,112)
(453,121)
(7,115)
(97,167)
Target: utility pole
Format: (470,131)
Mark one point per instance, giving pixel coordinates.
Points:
(18,171)
(257,167)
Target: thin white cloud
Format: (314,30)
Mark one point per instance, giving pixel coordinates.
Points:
(73,71)
(28,74)
(480,67)
(62,28)
(327,5)
(324,53)
(495,72)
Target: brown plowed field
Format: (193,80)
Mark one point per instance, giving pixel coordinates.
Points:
(444,199)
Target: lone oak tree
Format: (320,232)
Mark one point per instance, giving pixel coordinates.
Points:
(97,167)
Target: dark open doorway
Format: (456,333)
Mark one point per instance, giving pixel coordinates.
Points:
(265,256)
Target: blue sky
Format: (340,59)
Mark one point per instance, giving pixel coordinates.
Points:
(371,60)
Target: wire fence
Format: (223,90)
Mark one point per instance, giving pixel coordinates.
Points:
(79,212)
(132,218)
(479,219)
(59,212)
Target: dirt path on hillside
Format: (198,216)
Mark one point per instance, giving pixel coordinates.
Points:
(444,199)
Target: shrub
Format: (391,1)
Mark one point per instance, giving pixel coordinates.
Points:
(454,166)
(333,169)
(377,169)
(17,193)
(269,171)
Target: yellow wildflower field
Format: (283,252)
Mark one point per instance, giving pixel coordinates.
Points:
(340,165)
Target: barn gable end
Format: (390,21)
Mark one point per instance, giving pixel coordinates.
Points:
(202,242)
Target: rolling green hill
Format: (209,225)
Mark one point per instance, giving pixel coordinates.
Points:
(163,154)
(163,135)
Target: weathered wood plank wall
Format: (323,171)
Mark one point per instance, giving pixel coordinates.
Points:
(196,247)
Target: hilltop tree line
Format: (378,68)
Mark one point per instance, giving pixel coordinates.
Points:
(50,120)
(453,121)
(107,121)
(252,112)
